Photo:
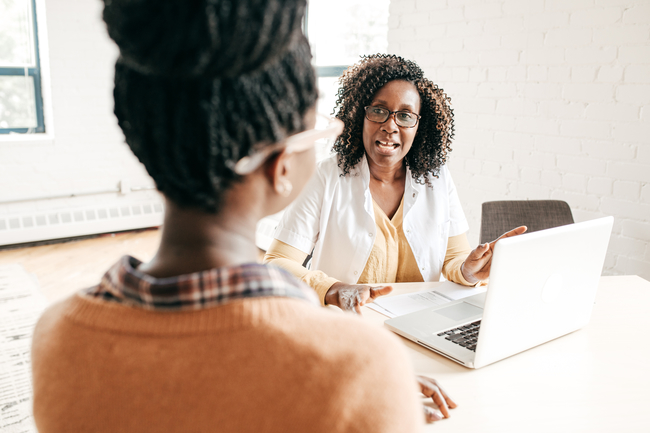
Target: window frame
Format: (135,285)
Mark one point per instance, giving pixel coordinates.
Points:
(330,71)
(34,72)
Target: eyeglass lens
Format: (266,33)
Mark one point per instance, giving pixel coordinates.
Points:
(380,115)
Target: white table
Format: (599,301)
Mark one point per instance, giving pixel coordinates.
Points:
(596,379)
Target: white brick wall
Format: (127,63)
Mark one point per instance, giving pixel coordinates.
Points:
(85,149)
(552,101)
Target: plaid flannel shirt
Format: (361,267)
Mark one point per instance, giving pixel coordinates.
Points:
(123,283)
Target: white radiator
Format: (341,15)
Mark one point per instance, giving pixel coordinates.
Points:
(47,225)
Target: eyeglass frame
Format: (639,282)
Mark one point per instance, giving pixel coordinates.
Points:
(390,113)
(295,143)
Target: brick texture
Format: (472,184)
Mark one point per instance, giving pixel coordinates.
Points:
(559,108)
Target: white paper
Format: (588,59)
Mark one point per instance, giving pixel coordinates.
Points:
(399,305)
(379,309)
(21,304)
(455,291)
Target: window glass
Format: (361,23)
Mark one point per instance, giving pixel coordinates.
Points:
(341,30)
(17,102)
(21,105)
(16,34)
(327,88)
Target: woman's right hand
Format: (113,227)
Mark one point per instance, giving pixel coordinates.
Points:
(350,297)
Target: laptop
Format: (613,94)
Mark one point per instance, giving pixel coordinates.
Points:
(542,286)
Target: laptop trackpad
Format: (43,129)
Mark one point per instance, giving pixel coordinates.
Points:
(461,311)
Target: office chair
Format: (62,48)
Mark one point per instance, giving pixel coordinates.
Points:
(497,217)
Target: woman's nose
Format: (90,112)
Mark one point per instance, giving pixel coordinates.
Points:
(389,125)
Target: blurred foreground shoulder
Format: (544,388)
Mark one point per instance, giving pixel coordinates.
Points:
(375,380)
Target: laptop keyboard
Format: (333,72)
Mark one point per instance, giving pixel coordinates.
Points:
(464,336)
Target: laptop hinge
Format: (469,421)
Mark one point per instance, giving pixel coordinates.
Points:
(440,353)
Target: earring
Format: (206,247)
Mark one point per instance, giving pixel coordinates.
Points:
(284,188)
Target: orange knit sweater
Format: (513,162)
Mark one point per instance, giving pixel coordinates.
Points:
(257,365)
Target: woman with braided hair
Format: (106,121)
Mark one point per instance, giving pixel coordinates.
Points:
(216,98)
(384,208)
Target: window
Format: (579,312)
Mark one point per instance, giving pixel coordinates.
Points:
(21,104)
(340,31)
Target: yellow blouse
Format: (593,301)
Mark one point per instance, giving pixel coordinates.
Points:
(391,259)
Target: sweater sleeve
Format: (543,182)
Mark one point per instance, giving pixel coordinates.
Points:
(287,257)
(457,251)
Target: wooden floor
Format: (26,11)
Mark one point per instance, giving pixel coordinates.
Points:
(64,268)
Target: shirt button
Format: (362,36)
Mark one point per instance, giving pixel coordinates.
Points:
(408,231)
(370,234)
(355,272)
(413,195)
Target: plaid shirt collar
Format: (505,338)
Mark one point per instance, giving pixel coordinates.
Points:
(123,283)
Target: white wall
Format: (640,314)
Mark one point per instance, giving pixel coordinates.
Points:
(83,149)
(551,100)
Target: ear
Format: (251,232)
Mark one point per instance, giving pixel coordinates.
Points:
(277,172)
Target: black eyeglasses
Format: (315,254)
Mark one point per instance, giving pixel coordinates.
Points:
(405,119)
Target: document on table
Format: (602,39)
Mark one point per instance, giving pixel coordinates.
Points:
(399,305)
(21,304)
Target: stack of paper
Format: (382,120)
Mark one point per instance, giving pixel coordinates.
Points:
(398,305)
(21,304)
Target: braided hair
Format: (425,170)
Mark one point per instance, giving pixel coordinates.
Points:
(358,86)
(201,83)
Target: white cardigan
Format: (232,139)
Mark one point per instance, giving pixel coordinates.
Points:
(334,217)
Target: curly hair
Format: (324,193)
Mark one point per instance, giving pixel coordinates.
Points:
(202,83)
(358,86)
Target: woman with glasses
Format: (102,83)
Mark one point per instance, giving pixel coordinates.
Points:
(384,208)
(217,100)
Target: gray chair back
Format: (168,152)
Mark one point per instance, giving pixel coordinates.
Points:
(497,217)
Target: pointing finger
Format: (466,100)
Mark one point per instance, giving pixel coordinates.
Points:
(514,232)
(376,292)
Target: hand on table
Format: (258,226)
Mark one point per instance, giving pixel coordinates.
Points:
(477,265)
(431,388)
(350,297)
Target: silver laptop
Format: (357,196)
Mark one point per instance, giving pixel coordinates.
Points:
(542,286)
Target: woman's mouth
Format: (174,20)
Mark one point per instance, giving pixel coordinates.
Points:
(386,147)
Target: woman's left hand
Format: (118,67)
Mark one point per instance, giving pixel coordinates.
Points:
(351,297)
(431,388)
(477,265)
